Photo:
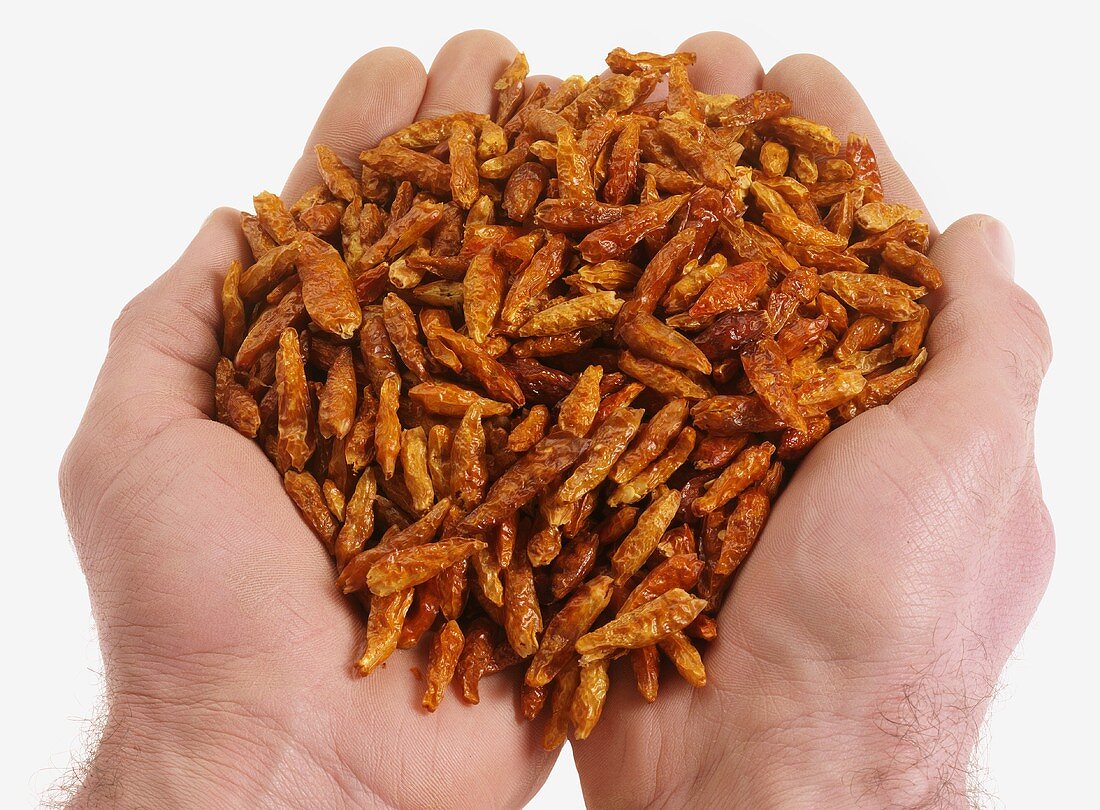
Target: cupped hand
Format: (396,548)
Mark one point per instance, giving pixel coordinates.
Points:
(226,645)
(858,645)
(862,638)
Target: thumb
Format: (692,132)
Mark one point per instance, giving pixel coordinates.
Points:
(989,345)
(159,365)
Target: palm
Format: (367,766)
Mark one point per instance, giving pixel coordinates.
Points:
(243,591)
(833,591)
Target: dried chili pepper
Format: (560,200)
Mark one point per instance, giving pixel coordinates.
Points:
(562,358)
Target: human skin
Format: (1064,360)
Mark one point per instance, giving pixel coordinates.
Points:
(857,648)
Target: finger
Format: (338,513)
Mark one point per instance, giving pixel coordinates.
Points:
(981,312)
(377,95)
(723,64)
(821,93)
(1026,558)
(463,73)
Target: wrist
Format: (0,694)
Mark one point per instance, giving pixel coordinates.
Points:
(151,754)
(824,769)
(894,755)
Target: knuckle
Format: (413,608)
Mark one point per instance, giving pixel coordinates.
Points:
(1042,538)
(109,470)
(1030,532)
(69,472)
(992,447)
(1035,331)
(1010,428)
(1025,381)
(1010,333)
(993,416)
(82,473)
(1023,348)
(1044,542)
(1004,419)
(130,314)
(985,420)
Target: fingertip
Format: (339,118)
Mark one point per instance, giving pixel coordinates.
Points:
(724,63)
(392,81)
(218,242)
(379,93)
(463,73)
(222,218)
(389,65)
(205,261)
(806,69)
(822,93)
(479,39)
(401,62)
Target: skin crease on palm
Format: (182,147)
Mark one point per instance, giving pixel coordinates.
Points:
(857,648)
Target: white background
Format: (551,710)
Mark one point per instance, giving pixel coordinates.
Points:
(126,127)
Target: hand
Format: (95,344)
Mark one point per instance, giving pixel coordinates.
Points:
(862,638)
(226,645)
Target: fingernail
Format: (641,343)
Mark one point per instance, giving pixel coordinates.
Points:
(1000,244)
